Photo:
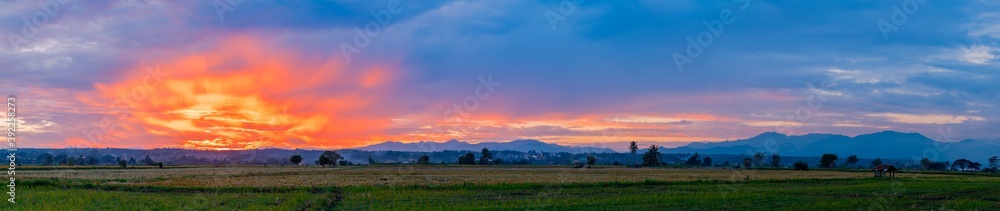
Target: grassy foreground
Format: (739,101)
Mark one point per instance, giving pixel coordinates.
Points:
(824,194)
(519,189)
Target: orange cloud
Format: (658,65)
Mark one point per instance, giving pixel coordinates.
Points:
(246,94)
(243,93)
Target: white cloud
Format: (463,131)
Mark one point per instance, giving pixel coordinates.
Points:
(927,118)
(978,54)
(985,25)
(43,126)
(648,119)
(774,124)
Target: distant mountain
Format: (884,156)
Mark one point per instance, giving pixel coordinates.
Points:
(886,144)
(988,141)
(516,145)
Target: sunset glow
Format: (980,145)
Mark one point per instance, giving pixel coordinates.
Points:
(157,75)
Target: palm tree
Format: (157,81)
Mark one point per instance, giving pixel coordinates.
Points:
(632,148)
(851,160)
(652,157)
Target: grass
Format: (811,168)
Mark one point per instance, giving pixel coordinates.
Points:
(496,187)
(48,198)
(822,194)
(56,194)
(420,175)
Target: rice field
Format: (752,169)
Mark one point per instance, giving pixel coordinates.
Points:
(493,187)
(287,176)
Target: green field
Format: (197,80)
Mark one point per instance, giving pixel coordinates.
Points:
(495,187)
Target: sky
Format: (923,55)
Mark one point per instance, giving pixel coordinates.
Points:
(231,74)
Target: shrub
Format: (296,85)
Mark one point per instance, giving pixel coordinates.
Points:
(801,166)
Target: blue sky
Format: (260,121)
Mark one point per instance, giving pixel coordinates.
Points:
(573,72)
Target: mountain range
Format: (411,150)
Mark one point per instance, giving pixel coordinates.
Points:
(516,145)
(886,144)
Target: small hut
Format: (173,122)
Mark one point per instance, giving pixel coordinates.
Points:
(885,171)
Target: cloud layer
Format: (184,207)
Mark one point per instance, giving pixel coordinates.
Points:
(275,74)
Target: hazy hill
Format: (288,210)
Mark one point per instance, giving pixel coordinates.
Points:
(516,145)
(886,144)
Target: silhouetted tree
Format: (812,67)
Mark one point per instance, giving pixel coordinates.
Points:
(371,161)
(707,161)
(926,163)
(851,160)
(328,158)
(632,147)
(123,163)
(590,161)
(424,160)
(975,166)
(801,166)
(828,161)
(747,162)
(486,157)
(93,161)
(295,159)
(758,159)
(335,159)
(693,160)
(45,159)
(994,164)
(652,156)
(109,159)
(60,159)
(961,164)
(776,160)
(877,162)
(131,161)
(147,161)
(468,159)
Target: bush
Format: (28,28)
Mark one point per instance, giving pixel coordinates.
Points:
(801,166)
(295,159)
(424,160)
(828,161)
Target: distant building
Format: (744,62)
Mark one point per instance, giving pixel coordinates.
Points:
(885,171)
